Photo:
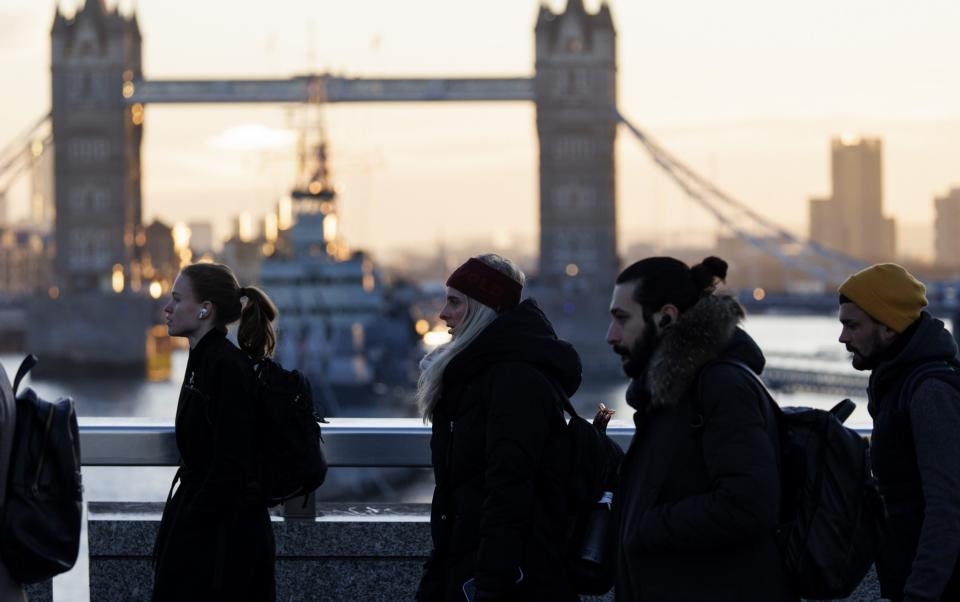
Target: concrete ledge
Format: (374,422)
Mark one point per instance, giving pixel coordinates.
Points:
(349,552)
(40,592)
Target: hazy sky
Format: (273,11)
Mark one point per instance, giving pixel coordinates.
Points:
(747,91)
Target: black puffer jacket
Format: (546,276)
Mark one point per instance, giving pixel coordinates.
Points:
(498,453)
(215,540)
(700,490)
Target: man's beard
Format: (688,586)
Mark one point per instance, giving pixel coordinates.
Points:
(636,358)
(864,362)
(870,360)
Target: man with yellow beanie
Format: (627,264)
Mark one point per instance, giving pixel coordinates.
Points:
(914,398)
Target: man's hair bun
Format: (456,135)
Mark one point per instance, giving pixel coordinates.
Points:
(708,273)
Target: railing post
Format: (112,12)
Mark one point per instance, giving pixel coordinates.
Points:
(304,507)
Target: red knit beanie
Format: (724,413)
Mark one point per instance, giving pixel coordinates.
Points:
(486,284)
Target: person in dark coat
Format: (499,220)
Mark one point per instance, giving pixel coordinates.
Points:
(215,540)
(700,489)
(10,590)
(915,447)
(498,518)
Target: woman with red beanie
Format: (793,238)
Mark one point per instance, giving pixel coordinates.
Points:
(493,396)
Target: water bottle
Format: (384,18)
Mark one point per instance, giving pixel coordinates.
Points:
(596,533)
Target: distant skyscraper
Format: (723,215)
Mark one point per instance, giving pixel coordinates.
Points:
(160,258)
(852,220)
(201,237)
(95,58)
(947,227)
(826,227)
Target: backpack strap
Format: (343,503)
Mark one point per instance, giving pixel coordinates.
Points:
(565,399)
(841,411)
(743,368)
(25,366)
(917,376)
(773,419)
(566,403)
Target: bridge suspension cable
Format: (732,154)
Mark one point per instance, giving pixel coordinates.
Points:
(20,154)
(806,256)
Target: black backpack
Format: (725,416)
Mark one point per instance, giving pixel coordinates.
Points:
(293,461)
(594,462)
(831,513)
(40,531)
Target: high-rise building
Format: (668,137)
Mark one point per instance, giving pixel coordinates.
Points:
(160,261)
(851,220)
(95,60)
(201,238)
(947,228)
(826,226)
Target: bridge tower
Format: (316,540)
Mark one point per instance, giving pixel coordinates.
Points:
(576,98)
(94,56)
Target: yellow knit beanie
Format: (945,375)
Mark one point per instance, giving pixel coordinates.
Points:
(888,293)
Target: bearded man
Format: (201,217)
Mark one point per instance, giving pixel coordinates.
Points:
(700,489)
(915,447)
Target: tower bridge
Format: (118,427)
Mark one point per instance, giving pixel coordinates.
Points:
(99,91)
(97,117)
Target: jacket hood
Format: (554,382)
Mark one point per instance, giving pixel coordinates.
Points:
(703,333)
(929,342)
(522,334)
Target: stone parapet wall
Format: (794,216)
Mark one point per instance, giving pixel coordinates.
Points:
(348,553)
(40,592)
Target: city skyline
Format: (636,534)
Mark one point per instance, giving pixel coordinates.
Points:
(401,166)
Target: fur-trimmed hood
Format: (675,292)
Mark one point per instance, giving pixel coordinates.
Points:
(701,334)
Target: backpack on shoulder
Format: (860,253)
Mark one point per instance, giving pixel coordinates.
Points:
(947,372)
(40,530)
(593,479)
(294,464)
(831,512)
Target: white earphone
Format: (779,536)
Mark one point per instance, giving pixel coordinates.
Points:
(203,313)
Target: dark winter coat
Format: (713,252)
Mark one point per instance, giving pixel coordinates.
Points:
(498,453)
(916,458)
(10,590)
(700,489)
(215,540)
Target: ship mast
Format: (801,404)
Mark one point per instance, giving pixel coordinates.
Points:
(314,193)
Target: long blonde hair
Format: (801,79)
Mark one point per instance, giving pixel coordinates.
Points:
(476,318)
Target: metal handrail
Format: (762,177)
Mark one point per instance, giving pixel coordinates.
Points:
(348,442)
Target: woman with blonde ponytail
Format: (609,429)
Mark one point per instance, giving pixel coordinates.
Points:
(215,540)
(493,396)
